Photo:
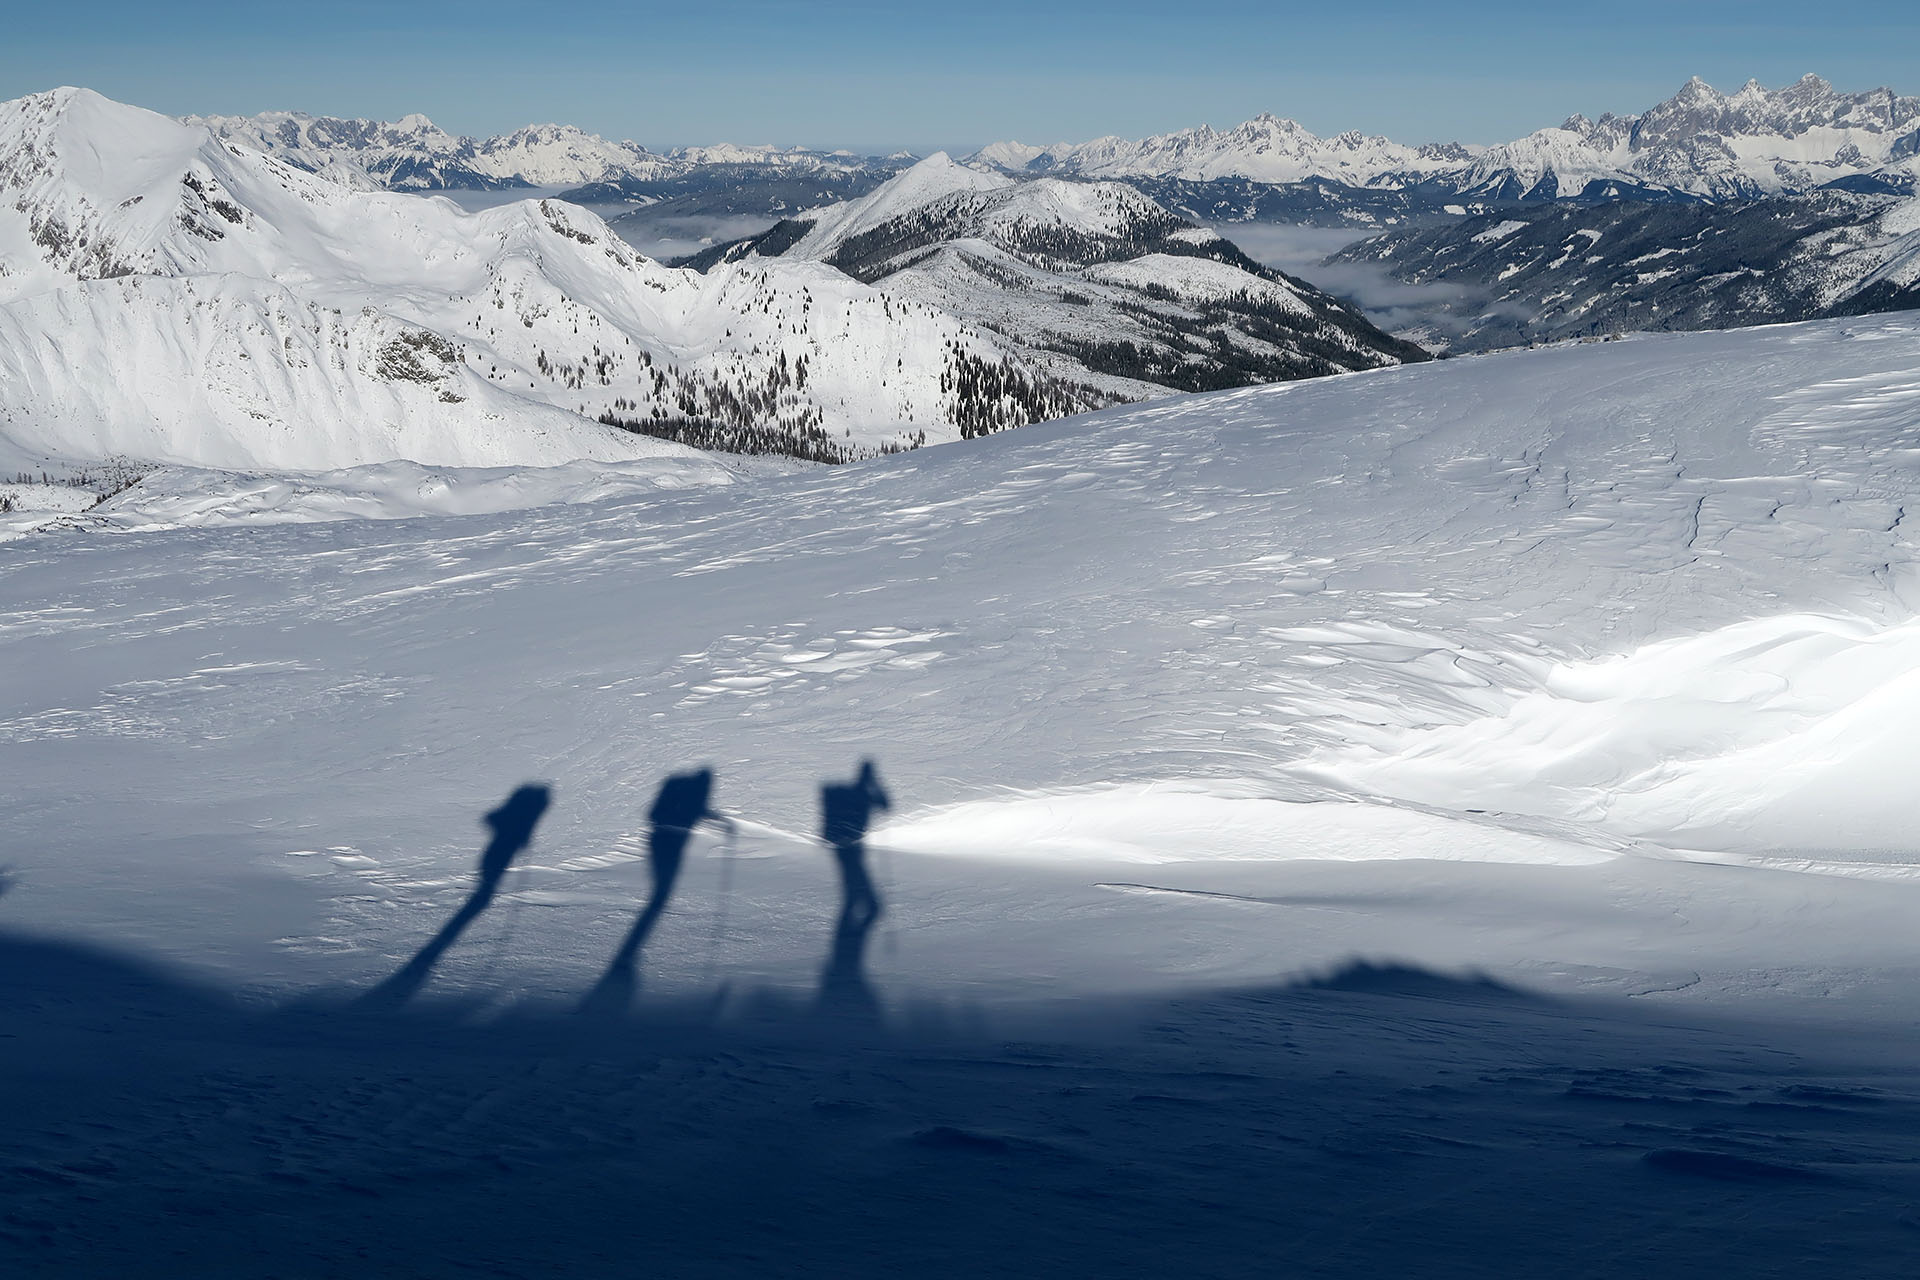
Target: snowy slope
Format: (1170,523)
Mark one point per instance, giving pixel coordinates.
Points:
(1554,272)
(1233,622)
(1588,668)
(227,289)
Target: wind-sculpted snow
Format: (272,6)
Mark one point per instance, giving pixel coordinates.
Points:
(186,497)
(1159,823)
(1670,740)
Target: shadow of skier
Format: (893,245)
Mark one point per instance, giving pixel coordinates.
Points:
(512,825)
(846,810)
(683,802)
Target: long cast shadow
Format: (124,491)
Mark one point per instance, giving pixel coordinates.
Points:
(846,810)
(683,802)
(119,1074)
(512,825)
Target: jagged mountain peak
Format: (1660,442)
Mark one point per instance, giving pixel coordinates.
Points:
(1267,125)
(1795,138)
(1696,90)
(292,134)
(102,189)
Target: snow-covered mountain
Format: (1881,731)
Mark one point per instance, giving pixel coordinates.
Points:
(1703,143)
(1699,144)
(1560,271)
(1265,149)
(167,295)
(414,154)
(1091,278)
(163,296)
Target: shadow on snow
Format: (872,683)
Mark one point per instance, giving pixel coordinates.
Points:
(1376,1119)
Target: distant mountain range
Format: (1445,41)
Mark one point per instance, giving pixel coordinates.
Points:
(1700,144)
(414,154)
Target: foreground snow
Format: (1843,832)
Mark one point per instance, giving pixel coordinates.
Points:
(1584,668)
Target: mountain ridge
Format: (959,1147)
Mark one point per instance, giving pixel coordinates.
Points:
(1698,144)
(414,154)
(1551,272)
(254,314)
(1093,279)
(1871,136)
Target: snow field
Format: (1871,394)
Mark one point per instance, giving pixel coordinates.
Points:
(1584,590)
(1183,708)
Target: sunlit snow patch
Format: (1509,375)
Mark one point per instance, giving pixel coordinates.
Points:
(1178,823)
(1792,732)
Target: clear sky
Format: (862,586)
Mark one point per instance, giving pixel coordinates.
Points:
(875,75)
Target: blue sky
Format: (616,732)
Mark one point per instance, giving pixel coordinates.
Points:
(874,75)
